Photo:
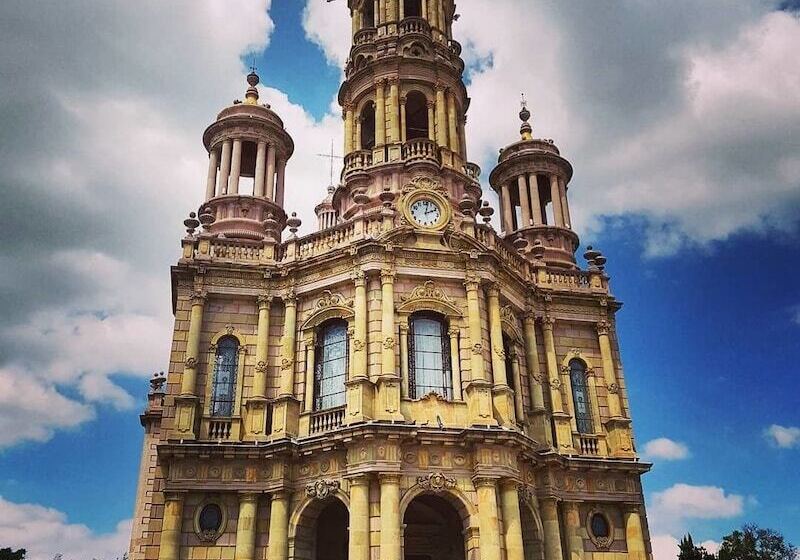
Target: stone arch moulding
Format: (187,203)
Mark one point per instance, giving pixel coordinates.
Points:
(309,501)
(329,306)
(429,297)
(526,500)
(510,324)
(452,494)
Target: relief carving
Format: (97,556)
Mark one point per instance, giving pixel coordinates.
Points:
(321,489)
(436,482)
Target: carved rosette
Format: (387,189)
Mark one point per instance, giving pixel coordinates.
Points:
(261,366)
(388,342)
(321,489)
(436,482)
(190,363)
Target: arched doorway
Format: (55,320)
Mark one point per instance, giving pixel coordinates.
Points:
(416,116)
(368,126)
(433,530)
(322,531)
(532,544)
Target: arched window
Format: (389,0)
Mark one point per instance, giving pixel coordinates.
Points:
(429,356)
(368,126)
(226,367)
(330,365)
(412,8)
(416,116)
(580,396)
(507,349)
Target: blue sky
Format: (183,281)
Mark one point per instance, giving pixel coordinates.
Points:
(687,178)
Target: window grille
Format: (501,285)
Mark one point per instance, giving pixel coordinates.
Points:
(429,357)
(223,394)
(580,397)
(330,365)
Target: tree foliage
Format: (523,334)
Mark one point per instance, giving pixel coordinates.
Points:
(8,554)
(754,543)
(688,551)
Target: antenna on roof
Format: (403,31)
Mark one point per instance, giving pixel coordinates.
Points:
(331,156)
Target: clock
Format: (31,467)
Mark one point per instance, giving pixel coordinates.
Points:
(426,212)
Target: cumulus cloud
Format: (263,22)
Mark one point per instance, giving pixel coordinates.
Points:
(670,509)
(45,532)
(785,437)
(666,449)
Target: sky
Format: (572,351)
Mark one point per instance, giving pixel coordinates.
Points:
(681,119)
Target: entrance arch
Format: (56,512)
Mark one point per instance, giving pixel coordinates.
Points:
(321,531)
(433,530)
(532,543)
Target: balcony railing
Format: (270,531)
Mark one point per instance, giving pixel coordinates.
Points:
(326,420)
(364,36)
(220,429)
(236,250)
(357,160)
(588,445)
(420,149)
(414,25)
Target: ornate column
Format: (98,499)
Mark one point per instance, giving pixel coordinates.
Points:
(170,545)
(512,525)
(431,121)
(479,388)
(186,402)
(246,527)
(286,407)
(561,420)
(519,405)
(261,168)
(506,210)
(402,115)
(390,517)
(402,9)
(487,518)
(308,400)
(278,544)
(348,129)
(380,113)
(404,360)
(388,406)
(617,425)
(357,139)
(279,185)
(359,387)
(552,533)
(211,178)
(455,363)
(633,534)
(562,187)
(270,180)
(255,424)
(452,121)
(441,117)
(236,167)
(224,168)
(502,398)
(538,410)
(555,194)
(394,108)
(522,187)
(536,201)
(573,525)
(359,518)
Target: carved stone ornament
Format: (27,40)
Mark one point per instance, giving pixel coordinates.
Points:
(424,183)
(329,299)
(229,329)
(388,342)
(555,383)
(603,327)
(428,290)
(525,493)
(507,315)
(261,366)
(500,351)
(358,345)
(477,348)
(190,363)
(613,388)
(321,489)
(436,482)
(286,364)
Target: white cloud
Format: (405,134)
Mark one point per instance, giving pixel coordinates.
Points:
(666,449)
(328,25)
(785,437)
(45,532)
(711,546)
(670,509)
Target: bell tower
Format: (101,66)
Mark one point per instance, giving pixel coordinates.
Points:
(404,104)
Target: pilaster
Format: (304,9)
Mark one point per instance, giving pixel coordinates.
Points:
(256,428)
(360,390)
(502,395)
(390,517)
(617,426)
(561,419)
(572,522)
(246,526)
(286,407)
(278,547)
(359,518)
(186,402)
(388,384)
(478,390)
(170,545)
(512,525)
(488,522)
(539,423)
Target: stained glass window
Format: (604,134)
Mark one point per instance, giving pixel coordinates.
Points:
(330,365)
(429,357)
(223,394)
(580,397)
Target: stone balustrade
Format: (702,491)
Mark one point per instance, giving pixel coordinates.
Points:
(414,25)
(357,161)
(364,36)
(326,240)
(420,149)
(326,420)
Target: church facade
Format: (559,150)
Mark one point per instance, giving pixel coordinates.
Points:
(405,382)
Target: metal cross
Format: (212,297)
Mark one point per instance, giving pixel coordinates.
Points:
(331,156)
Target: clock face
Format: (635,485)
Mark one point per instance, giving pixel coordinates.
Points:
(426,212)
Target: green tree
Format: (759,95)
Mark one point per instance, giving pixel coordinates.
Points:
(8,554)
(754,543)
(688,551)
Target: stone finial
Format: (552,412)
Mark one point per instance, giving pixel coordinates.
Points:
(251,96)
(486,211)
(157,382)
(294,224)
(525,129)
(191,223)
(206,218)
(595,259)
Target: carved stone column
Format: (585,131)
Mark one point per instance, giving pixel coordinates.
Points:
(211,178)
(441,117)
(286,408)
(502,396)
(394,109)
(522,188)
(478,389)
(573,524)
(561,419)
(380,112)
(388,405)
(506,210)
(308,399)
(236,167)
(452,122)
(390,517)
(455,363)
(536,202)
(186,402)
(261,168)
(431,121)
(552,532)
(634,535)
(404,360)
(278,545)
(488,519)
(539,423)
(403,125)
(224,168)
(170,546)
(256,406)
(512,525)
(519,404)
(348,128)
(555,194)
(617,426)
(246,527)
(359,518)
(270,178)
(359,388)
